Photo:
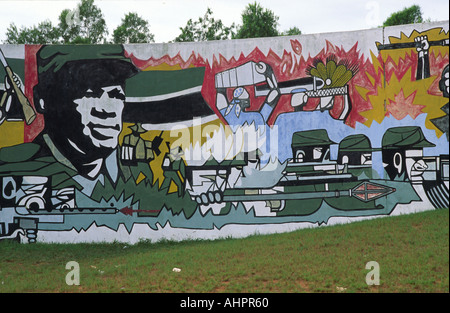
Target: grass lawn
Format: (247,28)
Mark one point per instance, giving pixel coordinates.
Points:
(412,252)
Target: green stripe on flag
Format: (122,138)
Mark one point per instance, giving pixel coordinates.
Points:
(154,83)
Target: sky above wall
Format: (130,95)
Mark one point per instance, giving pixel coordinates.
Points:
(167,16)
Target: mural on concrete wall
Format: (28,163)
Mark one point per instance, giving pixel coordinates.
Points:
(111,142)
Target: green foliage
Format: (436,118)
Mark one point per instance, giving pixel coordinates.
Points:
(85,24)
(293,31)
(133,29)
(410,15)
(257,22)
(204,29)
(67,33)
(44,32)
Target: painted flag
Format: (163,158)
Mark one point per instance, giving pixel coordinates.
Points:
(161,97)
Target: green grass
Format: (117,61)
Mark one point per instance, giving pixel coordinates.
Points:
(411,250)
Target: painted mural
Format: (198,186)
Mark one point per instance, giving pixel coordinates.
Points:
(223,139)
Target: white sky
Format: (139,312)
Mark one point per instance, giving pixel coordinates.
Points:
(167,16)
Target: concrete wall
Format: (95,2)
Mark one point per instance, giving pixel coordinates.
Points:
(222,139)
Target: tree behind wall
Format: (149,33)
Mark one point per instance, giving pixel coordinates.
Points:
(44,32)
(85,24)
(293,31)
(410,15)
(133,29)
(257,22)
(204,29)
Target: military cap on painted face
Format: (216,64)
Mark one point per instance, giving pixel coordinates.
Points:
(78,67)
(310,138)
(356,143)
(54,57)
(407,137)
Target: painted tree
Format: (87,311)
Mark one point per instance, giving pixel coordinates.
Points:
(257,22)
(204,29)
(133,29)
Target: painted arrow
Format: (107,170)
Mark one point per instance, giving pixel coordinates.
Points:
(129,211)
(367,191)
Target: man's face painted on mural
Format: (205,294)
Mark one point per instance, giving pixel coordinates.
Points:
(101,115)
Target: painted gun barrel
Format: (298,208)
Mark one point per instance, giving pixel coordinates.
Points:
(415,44)
(244,75)
(305,84)
(28,110)
(287,196)
(66,211)
(365,191)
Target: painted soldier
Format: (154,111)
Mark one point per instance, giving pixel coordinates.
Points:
(76,160)
(402,151)
(81,94)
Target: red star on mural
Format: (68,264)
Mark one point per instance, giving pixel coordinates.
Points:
(400,107)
